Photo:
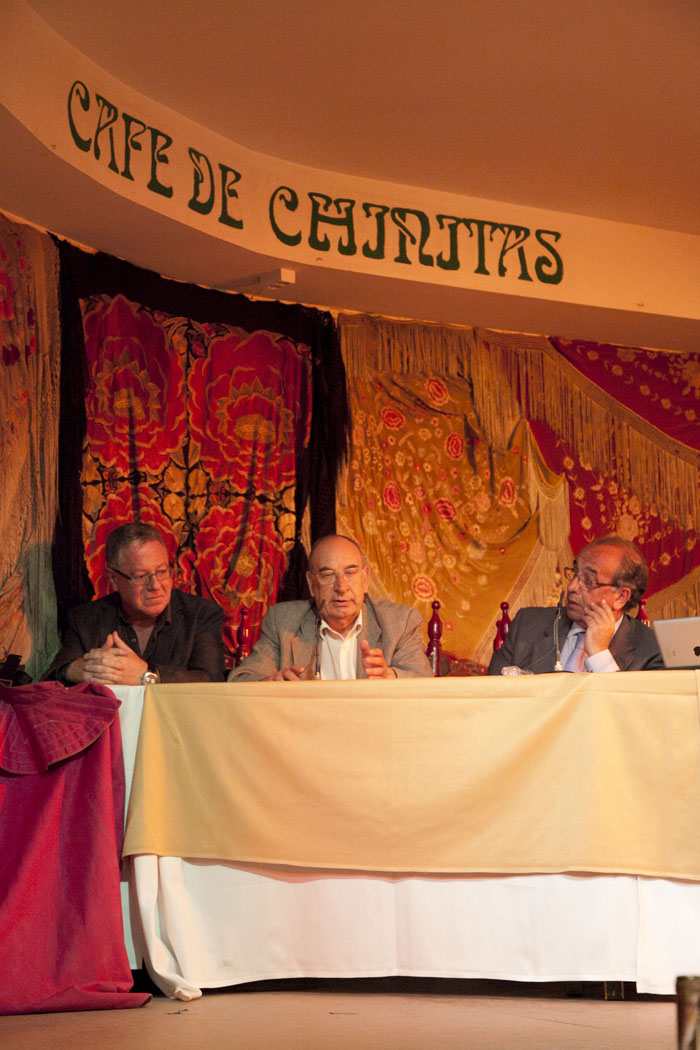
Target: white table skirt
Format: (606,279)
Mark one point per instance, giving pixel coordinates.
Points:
(210,925)
(201,924)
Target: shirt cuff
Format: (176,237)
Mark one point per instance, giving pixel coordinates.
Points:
(602,661)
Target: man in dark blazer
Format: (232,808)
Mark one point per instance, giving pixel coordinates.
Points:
(340,633)
(146,630)
(590,630)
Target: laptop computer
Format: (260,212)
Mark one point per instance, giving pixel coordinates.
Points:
(679,641)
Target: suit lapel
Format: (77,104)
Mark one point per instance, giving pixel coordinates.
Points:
(545,649)
(621,644)
(304,642)
(371,631)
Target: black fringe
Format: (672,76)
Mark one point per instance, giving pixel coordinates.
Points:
(84,274)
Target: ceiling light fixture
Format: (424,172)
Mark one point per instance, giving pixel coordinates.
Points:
(268,281)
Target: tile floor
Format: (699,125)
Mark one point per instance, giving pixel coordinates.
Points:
(391,1014)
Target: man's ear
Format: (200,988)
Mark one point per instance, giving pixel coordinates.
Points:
(623,596)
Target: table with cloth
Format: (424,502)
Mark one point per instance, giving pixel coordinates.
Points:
(543,828)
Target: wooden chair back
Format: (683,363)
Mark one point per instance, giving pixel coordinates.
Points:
(434,649)
(502,627)
(244,646)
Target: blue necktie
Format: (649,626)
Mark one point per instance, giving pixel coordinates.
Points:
(574,661)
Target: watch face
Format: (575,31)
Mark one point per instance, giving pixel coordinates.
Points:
(149,678)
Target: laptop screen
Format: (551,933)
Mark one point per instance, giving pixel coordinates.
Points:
(679,641)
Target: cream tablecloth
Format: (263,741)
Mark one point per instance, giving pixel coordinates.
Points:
(339,815)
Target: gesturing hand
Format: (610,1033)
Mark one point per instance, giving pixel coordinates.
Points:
(374,662)
(288,674)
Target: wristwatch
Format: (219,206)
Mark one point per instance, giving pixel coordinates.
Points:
(150,677)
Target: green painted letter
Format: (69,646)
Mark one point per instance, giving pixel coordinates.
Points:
(549,271)
(379,211)
(131,141)
(229,178)
(83,95)
(105,122)
(521,234)
(159,156)
(344,207)
(202,172)
(291,202)
(453,224)
(399,217)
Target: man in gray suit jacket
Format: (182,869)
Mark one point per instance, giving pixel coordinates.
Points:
(341,633)
(591,631)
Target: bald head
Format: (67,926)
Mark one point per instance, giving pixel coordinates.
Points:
(338,578)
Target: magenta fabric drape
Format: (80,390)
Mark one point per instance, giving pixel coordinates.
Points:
(61,825)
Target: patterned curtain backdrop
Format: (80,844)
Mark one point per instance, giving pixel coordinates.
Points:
(202,428)
(29,364)
(195,428)
(441,513)
(622,424)
(600,505)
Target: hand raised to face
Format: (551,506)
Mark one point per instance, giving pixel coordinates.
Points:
(600,626)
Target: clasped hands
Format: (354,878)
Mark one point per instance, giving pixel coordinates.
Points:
(373,661)
(114,663)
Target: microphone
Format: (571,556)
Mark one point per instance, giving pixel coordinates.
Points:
(319,617)
(560,610)
(531,668)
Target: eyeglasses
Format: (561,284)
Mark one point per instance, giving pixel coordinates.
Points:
(144,578)
(328,576)
(587,580)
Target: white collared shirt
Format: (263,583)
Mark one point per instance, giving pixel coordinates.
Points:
(339,652)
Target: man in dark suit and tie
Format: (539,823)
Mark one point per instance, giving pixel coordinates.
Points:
(590,630)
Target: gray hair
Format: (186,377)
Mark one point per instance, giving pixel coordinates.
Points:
(124,535)
(632,571)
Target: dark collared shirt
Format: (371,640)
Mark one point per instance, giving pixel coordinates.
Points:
(185,644)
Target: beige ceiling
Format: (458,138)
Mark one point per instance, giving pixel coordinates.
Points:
(583,106)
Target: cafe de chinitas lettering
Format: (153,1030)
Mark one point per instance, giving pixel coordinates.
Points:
(374,229)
